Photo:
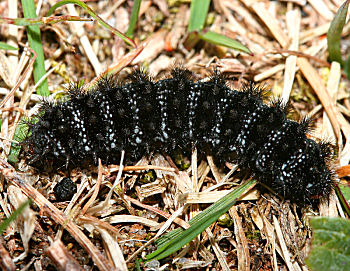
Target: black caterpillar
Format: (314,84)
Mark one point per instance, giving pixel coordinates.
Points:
(144,116)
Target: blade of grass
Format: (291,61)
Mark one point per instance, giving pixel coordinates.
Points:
(15,214)
(93,15)
(344,202)
(334,33)
(41,20)
(347,67)
(34,38)
(199,11)
(222,40)
(191,40)
(199,223)
(5,46)
(133,18)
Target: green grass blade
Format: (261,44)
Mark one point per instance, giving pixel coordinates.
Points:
(199,11)
(222,40)
(191,40)
(15,214)
(347,67)
(334,33)
(343,193)
(34,38)
(162,240)
(93,15)
(199,223)
(41,20)
(5,46)
(133,18)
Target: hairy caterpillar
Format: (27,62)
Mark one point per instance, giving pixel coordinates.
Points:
(145,116)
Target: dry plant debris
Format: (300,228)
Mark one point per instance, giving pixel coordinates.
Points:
(117,211)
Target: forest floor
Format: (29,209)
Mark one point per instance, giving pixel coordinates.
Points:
(261,231)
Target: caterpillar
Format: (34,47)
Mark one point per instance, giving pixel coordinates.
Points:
(144,116)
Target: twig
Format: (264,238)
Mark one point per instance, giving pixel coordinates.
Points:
(61,257)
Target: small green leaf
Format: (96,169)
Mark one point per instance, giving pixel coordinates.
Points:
(34,38)
(15,214)
(176,239)
(133,18)
(20,134)
(330,245)
(222,40)
(334,33)
(199,11)
(5,46)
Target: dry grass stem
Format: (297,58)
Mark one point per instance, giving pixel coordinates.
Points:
(63,260)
